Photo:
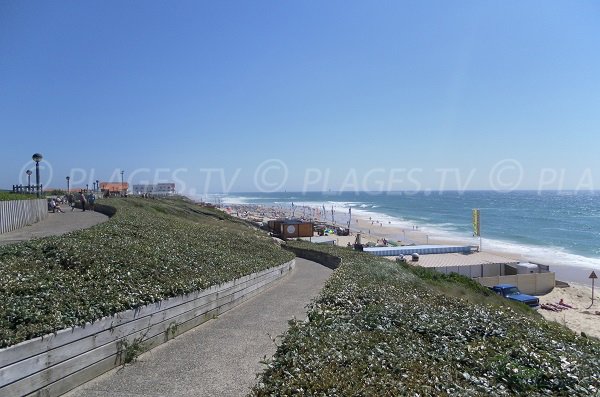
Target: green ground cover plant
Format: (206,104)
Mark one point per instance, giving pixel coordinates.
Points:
(380,329)
(148,251)
(7,196)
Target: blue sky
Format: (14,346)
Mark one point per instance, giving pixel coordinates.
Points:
(304,95)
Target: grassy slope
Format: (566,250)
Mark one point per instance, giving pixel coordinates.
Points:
(379,329)
(150,250)
(7,196)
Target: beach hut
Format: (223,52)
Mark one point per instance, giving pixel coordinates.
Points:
(291,228)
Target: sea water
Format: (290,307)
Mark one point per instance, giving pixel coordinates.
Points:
(544,227)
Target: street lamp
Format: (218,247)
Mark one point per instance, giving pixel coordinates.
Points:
(122,184)
(87,187)
(68,187)
(97,185)
(28,172)
(37,157)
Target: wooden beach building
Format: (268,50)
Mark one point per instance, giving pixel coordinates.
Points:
(291,228)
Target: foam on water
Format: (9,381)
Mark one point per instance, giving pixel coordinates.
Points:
(549,255)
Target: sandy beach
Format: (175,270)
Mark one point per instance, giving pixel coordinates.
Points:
(580,318)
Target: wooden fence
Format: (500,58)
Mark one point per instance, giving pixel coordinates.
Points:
(15,214)
(56,363)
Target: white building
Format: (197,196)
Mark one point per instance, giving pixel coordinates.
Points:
(159,189)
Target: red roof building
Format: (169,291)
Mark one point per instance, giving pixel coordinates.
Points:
(114,187)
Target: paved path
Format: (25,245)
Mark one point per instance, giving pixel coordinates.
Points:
(220,357)
(56,223)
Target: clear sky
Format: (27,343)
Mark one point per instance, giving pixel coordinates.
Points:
(303,95)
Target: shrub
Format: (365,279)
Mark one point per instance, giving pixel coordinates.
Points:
(7,196)
(148,251)
(379,329)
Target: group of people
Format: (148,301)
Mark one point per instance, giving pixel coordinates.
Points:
(556,307)
(87,202)
(54,205)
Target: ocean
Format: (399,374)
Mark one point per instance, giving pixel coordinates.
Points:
(545,227)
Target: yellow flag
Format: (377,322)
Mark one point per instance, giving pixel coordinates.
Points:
(476,224)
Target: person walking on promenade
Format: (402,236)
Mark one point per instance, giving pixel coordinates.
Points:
(92,201)
(71,201)
(83,201)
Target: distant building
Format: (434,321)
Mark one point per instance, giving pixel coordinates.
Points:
(114,188)
(159,189)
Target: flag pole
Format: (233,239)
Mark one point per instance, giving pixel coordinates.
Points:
(349,219)
(479,224)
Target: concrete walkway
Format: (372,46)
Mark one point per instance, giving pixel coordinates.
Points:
(220,357)
(56,224)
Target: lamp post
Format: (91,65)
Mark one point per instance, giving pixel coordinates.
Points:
(28,172)
(97,185)
(122,184)
(87,187)
(68,186)
(37,157)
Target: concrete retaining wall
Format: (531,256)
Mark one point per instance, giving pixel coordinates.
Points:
(330,261)
(56,363)
(532,284)
(105,210)
(472,271)
(15,214)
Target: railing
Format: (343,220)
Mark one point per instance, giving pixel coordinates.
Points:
(26,189)
(15,214)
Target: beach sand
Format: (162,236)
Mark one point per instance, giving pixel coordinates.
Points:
(577,294)
(582,318)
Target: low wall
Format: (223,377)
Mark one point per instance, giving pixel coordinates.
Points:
(105,209)
(101,208)
(532,283)
(473,271)
(15,214)
(56,363)
(330,261)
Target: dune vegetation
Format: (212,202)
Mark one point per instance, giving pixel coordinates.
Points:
(380,328)
(148,251)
